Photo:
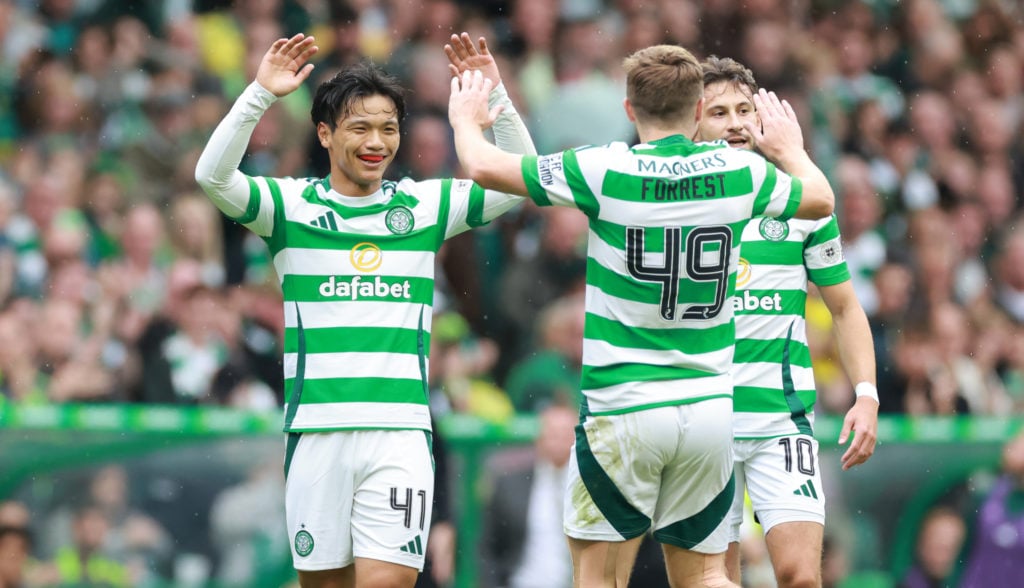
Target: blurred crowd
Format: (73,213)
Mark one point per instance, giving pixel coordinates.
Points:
(132,287)
(120,282)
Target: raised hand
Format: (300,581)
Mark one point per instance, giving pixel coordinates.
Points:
(285,65)
(463,56)
(468,101)
(779,137)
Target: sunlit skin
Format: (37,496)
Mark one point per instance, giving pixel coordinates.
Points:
(727,106)
(362,146)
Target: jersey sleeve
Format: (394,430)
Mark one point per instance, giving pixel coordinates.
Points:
(240,197)
(510,132)
(473,206)
(568,178)
(823,254)
(779,194)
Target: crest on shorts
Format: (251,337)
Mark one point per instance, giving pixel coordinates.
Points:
(303,543)
(773,229)
(399,220)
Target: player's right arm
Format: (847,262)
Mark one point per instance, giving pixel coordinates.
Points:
(780,139)
(283,69)
(469,115)
(510,135)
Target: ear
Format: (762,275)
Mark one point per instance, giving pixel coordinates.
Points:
(700,111)
(323,132)
(629,110)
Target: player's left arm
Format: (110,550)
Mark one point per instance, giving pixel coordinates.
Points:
(857,354)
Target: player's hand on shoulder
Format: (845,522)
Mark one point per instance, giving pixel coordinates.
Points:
(464,56)
(285,66)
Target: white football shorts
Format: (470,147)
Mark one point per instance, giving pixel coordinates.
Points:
(782,477)
(669,466)
(361,494)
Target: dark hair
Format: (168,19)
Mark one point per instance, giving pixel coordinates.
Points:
(334,98)
(725,69)
(18,531)
(340,13)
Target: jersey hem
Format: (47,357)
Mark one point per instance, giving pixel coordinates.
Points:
(294,429)
(764,437)
(680,402)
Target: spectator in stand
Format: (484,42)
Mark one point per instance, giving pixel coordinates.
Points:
(531,44)
(15,552)
(151,381)
(934,250)
(20,380)
(1009,273)
(552,374)
(83,560)
(587,89)
(460,367)
(195,233)
(925,387)
(102,204)
(852,82)
(530,284)
(205,336)
(895,284)
(69,362)
(140,272)
(131,537)
(244,542)
(997,554)
(958,355)
(523,545)
(939,542)
(344,46)
(1013,369)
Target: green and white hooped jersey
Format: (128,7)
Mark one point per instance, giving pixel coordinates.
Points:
(774,392)
(665,220)
(357,276)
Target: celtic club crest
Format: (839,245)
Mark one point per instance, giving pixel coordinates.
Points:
(399,220)
(303,543)
(773,229)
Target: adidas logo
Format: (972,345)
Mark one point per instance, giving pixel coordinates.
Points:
(414,547)
(807,490)
(325,221)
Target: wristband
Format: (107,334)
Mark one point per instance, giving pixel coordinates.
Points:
(866,389)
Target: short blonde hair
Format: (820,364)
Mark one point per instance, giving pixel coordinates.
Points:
(663,82)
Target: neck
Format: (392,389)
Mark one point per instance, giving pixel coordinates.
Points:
(344,185)
(653,132)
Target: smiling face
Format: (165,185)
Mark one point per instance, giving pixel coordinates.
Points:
(362,145)
(727,105)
